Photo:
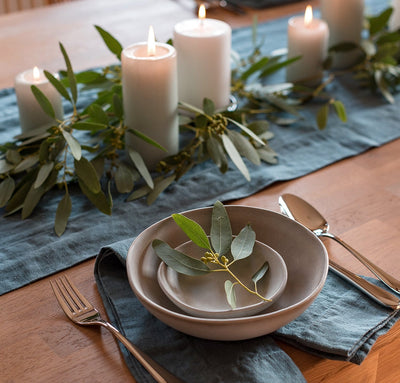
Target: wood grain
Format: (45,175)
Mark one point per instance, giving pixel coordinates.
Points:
(360,197)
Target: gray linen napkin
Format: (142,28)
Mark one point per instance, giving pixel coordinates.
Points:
(341,324)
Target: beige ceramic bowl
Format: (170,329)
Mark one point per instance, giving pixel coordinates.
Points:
(304,254)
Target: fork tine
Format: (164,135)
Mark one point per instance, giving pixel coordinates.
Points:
(73,290)
(61,299)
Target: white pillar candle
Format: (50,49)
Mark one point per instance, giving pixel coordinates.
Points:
(394,22)
(345,21)
(308,38)
(31,114)
(203,48)
(150,98)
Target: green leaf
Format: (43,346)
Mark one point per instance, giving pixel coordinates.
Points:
(99,199)
(254,68)
(193,230)
(221,231)
(244,147)
(141,167)
(88,77)
(208,107)
(124,179)
(340,110)
(178,261)
(7,188)
(216,152)
(13,156)
(159,187)
(43,101)
(383,86)
(44,172)
(274,68)
(346,46)
(322,116)
(97,114)
(112,44)
(190,108)
(230,293)
(242,245)
(268,155)
(70,74)
(26,163)
(378,23)
(23,187)
(260,272)
(73,144)
(31,200)
(90,126)
(139,193)
(146,139)
(117,105)
(62,214)
(235,156)
(246,130)
(58,85)
(87,174)
(5,167)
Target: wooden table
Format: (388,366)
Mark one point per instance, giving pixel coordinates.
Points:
(360,195)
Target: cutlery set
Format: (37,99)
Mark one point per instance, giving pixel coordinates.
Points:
(80,311)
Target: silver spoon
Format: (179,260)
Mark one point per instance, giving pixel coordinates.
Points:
(298,209)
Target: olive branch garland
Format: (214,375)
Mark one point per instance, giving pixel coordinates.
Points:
(87,146)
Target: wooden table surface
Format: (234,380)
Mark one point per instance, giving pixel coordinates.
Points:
(360,195)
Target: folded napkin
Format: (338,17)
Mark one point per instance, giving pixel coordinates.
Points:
(341,324)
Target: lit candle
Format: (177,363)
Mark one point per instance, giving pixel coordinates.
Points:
(345,21)
(150,97)
(394,22)
(308,38)
(203,48)
(31,114)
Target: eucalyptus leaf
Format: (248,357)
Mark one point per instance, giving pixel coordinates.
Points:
(97,114)
(26,163)
(100,200)
(268,155)
(31,200)
(98,164)
(139,193)
(221,231)
(230,293)
(340,110)
(43,101)
(112,43)
(193,230)
(44,172)
(146,138)
(7,187)
(260,272)
(322,116)
(208,107)
(216,152)
(90,126)
(178,261)
(87,174)
(235,156)
(73,144)
(58,85)
(123,179)
(243,243)
(23,187)
(246,130)
(62,214)
(159,187)
(244,147)
(70,74)
(141,167)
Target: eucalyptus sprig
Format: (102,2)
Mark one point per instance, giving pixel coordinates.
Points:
(379,54)
(222,252)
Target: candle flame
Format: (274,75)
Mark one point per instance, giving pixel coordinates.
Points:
(308,16)
(151,42)
(202,12)
(36,73)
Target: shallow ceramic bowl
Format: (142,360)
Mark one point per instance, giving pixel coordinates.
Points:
(304,254)
(204,296)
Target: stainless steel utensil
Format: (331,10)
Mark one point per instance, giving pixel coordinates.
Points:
(81,312)
(299,210)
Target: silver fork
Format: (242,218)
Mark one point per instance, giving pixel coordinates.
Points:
(81,312)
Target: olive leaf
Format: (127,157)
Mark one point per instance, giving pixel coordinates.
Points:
(7,187)
(178,261)
(377,23)
(112,44)
(124,179)
(235,156)
(208,106)
(91,126)
(62,214)
(26,163)
(87,174)
(73,144)
(100,200)
(13,156)
(242,245)
(141,167)
(340,110)
(230,293)
(193,230)
(217,154)
(97,114)
(221,231)
(43,101)
(70,74)
(146,138)
(322,116)
(159,187)
(44,172)
(31,200)
(58,85)
(244,147)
